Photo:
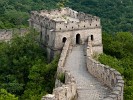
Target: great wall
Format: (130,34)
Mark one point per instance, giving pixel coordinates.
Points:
(80,36)
(76,36)
(107,76)
(7,34)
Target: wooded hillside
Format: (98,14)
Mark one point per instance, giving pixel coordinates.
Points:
(116,15)
(24,69)
(24,61)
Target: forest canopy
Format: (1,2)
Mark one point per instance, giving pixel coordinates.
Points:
(116,15)
(24,69)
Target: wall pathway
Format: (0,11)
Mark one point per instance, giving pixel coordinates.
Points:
(88,88)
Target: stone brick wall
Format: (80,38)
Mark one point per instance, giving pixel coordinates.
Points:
(97,39)
(6,34)
(82,24)
(82,20)
(62,91)
(107,75)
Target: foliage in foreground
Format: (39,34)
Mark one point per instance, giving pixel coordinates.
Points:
(24,68)
(4,95)
(119,55)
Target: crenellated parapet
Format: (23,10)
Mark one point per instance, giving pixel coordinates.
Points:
(105,74)
(64,19)
(58,25)
(66,90)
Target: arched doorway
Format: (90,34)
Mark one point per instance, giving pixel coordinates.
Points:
(78,39)
(64,39)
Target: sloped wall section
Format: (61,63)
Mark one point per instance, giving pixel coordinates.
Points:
(107,75)
(6,34)
(66,91)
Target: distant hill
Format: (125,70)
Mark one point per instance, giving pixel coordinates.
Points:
(116,15)
(15,13)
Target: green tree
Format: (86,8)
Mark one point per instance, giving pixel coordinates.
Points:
(24,69)
(119,55)
(4,95)
(62,3)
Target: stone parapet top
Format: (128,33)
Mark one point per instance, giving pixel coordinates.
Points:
(110,78)
(7,34)
(68,90)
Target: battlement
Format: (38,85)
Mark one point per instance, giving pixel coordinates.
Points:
(64,19)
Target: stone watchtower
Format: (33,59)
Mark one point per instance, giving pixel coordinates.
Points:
(59,25)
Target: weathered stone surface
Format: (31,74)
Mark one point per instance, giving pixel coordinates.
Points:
(68,90)
(88,88)
(6,34)
(109,77)
(58,25)
(48,97)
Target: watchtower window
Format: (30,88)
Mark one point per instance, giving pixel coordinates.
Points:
(90,24)
(96,24)
(66,26)
(64,39)
(60,28)
(72,27)
(84,25)
(92,38)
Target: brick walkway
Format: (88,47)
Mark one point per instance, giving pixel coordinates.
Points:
(88,87)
